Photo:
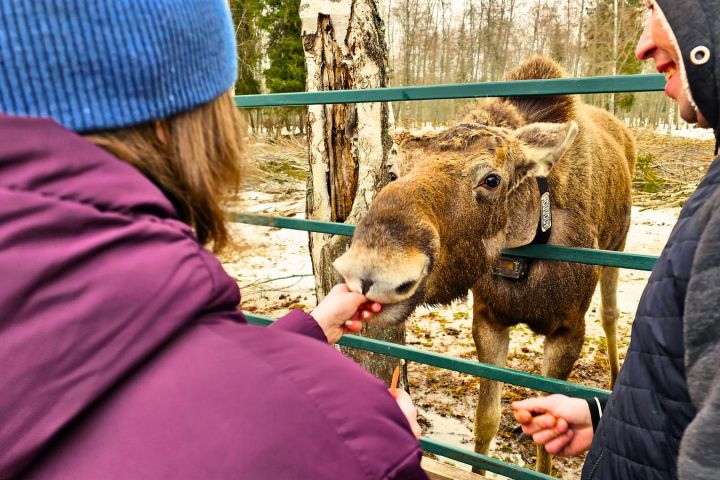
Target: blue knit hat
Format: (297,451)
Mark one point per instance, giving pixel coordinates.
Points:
(105,64)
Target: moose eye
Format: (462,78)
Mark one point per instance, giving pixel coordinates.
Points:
(492,181)
(392,176)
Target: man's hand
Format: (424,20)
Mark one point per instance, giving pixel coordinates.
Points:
(562,424)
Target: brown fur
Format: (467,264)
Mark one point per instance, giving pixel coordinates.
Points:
(495,113)
(437,231)
(548,108)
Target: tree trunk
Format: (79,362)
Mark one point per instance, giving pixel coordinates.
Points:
(581,17)
(489,57)
(568,57)
(349,145)
(536,30)
(506,42)
(616,33)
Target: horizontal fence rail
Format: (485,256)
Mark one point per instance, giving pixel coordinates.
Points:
(318,226)
(516,88)
(485,370)
(589,256)
(481,461)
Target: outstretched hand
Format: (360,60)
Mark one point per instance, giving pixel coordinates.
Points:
(343,311)
(562,424)
(408,408)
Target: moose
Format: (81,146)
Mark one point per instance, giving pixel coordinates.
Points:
(518,170)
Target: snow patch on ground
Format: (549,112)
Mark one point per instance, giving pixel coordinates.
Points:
(688,132)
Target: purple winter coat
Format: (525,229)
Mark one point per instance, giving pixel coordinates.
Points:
(123,354)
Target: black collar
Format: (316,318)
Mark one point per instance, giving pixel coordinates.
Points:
(517,267)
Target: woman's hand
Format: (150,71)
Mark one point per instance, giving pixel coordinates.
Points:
(343,311)
(562,424)
(406,405)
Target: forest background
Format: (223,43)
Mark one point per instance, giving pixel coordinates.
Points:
(455,41)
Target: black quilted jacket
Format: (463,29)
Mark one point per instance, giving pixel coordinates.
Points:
(650,408)
(663,418)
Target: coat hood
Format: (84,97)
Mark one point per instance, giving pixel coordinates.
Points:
(696,27)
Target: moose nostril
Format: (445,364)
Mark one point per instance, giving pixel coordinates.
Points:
(366,284)
(404,287)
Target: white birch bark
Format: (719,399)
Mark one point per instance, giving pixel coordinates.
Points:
(349,145)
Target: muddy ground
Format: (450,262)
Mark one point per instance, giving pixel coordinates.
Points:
(273,269)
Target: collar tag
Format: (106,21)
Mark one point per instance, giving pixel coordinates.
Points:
(545,215)
(542,234)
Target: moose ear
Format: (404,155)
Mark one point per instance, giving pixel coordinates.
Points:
(543,144)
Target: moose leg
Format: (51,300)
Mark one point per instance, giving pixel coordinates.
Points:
(562,349)
(491,342)
(609,314)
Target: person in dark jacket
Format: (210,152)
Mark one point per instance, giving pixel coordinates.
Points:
(123,353)
(662,420)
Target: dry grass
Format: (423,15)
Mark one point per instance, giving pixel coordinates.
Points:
(276,159)
(669,168)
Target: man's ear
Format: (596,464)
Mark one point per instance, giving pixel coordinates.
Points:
(542,145)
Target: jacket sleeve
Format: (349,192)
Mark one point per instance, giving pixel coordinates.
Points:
(596,406)
(300,322)
(699,456)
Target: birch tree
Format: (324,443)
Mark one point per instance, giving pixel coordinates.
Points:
(615,41)
(578,48)
(349,145)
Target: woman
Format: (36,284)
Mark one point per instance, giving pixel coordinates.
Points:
(662,419)
(124,354)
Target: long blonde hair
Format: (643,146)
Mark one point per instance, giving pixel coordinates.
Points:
(194,157)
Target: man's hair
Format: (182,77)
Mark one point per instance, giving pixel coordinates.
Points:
(195,160)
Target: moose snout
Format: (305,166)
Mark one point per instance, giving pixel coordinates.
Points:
(385,292)
(400,292)
(381,281)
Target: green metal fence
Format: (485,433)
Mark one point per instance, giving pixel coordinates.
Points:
(627,83)
(556,86)
(606,258)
